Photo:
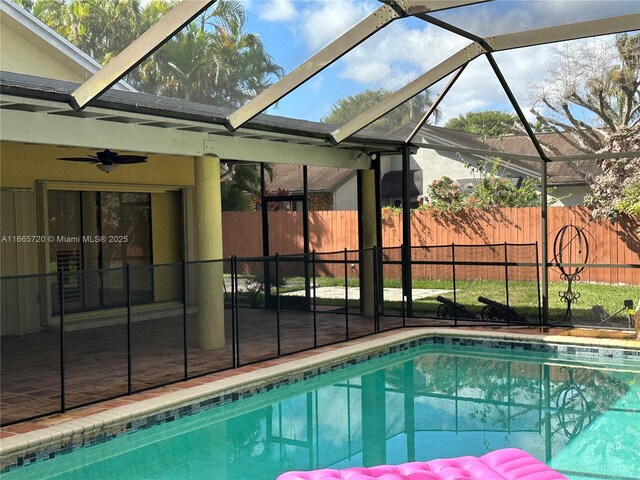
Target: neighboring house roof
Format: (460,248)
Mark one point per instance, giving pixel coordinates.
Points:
(559,173)
(454,138)
(522,144)
(446,137)
(50,42)
(320,179)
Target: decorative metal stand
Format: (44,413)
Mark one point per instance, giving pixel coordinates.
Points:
(570,242)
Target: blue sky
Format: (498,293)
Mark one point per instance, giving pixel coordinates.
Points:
(293,30)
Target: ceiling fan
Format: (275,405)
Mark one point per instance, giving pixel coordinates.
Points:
(107,161)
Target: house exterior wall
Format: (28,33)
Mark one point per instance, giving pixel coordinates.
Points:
(346,196)
(434,164)
(42,62)
(437,164)
(570,195)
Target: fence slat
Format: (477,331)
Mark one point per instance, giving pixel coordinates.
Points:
(334,230)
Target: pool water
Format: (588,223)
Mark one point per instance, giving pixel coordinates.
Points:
(431,402)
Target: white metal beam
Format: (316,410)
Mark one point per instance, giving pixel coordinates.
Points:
(508,41)
(46,129)
(165,28)
(563,33)
(410,90)
(332,52)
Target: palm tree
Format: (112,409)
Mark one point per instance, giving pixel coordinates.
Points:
(100,28)
(212,61)
(242,68)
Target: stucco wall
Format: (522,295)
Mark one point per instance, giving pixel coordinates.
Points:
(569,196)
(437,164)
(346,197)
(19,55)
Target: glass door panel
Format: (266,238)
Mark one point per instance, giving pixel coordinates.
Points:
(125,220)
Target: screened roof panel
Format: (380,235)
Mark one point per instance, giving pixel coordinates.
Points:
(563,107)
(477,115)
(499,17)
(387,60)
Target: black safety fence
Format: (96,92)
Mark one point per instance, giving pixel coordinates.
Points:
(138,327)
(605,303)
(462,285)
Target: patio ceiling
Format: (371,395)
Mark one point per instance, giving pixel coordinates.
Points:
(431,11)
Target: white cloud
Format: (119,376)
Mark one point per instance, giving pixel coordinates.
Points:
(478,87)
(277,11)
(397,55)
(323,22)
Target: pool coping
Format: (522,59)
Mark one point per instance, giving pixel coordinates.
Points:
(47,442)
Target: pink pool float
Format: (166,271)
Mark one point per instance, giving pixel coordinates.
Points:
(505,464)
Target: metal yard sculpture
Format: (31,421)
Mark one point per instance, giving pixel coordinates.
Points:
(570,254)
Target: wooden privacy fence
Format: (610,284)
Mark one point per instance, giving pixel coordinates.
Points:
(331,231)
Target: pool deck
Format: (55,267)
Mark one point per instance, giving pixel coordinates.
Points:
(72,427)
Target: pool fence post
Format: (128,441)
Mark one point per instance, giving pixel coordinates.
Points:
(232,294)
(506,283)
(278,303)
(453,277)
(234,307)
(346,293)
(403,277)
(376,302)
(128,274)
(538,284)
(184,319)
(62,373)
(548,447)
(315,299)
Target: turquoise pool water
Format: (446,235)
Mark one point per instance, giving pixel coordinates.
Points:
(431,402)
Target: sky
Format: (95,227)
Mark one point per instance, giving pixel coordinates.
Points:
(293,30)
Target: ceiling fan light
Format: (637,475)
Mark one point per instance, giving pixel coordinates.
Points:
(107,168)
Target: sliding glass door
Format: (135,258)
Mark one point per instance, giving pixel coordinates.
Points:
(99,233)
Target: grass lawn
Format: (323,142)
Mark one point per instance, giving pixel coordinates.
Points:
(523,296)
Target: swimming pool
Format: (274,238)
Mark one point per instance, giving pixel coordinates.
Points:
(428,402)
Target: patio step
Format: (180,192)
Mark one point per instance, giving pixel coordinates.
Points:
(116,316)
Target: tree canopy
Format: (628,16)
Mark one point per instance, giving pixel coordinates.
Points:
(348,108)
(591,91)
(617,189)
(488,123)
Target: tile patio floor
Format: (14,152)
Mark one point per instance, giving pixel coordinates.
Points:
(96,358)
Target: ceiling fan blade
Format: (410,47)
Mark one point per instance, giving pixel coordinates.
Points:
(77,159)
(128,159)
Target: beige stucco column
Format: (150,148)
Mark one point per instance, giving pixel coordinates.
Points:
(369,239)
(209,246)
